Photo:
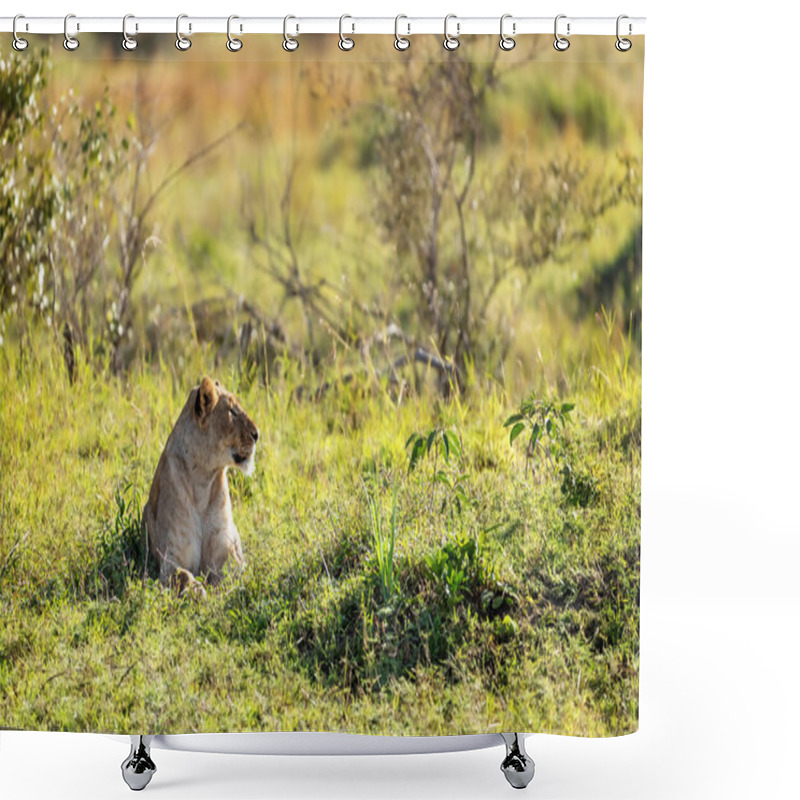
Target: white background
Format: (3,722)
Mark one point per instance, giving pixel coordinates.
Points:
(720,556)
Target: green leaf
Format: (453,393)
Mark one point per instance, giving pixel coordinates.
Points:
(411,438)
(512,419)
(567,407)
(534,439)
(446,446)
(455,443)
(431,437)
(416,453)
(441,477)
(516,431)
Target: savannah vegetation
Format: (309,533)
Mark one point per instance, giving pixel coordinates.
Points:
(423,280)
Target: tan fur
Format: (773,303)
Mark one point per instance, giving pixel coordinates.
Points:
(188,514)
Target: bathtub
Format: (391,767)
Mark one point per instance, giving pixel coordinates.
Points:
(139,767)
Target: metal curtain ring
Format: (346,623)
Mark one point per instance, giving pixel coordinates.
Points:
(18,44)
(561,44)
(506,42)
(345,42)
(623,45)
(128,42)
(233,44)
(451,42)
(400,42)
(290,44)
(182,42)
(70,42)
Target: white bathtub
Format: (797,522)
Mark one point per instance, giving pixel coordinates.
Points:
(139,767)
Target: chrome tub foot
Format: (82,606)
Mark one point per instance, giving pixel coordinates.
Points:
(517,766)
(138,768)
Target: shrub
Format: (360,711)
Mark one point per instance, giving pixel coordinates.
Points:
(57,175)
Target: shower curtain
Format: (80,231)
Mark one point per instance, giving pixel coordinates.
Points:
(391,299)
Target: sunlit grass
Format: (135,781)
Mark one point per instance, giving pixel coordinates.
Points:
(372,601)
(336,622)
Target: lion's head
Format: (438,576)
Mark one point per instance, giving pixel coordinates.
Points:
(228,433)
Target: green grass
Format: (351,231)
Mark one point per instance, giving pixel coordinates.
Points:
(383,542)
(372,611)
(480,590)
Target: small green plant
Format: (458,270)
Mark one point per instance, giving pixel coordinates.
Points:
(505,629)
(578,487)
(453,566)
(383,541)
(437,440)
(447,467)
(462,572)
(544,423)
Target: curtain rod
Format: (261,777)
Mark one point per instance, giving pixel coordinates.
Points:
(350,25)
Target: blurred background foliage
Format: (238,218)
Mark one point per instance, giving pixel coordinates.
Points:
(407,211)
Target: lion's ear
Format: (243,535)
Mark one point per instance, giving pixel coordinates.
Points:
(206,399)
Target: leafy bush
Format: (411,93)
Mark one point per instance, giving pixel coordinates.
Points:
(57,176)
(27,194)
(72,180)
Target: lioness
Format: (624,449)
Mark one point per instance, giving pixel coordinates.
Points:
(188,514)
